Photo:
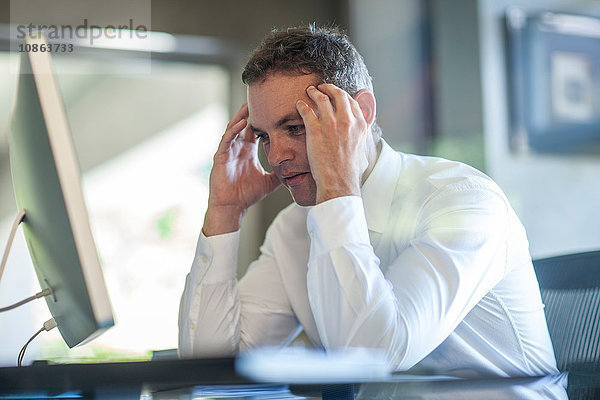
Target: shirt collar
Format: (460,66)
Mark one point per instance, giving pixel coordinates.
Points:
(378,190)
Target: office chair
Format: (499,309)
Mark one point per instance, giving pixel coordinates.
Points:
(570,287)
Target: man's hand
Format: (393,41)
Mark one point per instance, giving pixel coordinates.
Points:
(336,134)
(237,180)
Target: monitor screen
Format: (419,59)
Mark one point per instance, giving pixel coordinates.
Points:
(47,185)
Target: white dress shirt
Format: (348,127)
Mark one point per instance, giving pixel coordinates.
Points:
(430,264)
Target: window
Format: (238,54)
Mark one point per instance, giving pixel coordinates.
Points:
(145,143)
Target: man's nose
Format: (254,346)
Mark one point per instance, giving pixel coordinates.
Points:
(279,152)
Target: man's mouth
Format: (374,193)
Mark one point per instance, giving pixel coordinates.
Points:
(294,179)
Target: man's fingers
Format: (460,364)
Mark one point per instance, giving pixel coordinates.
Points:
(306,112)
(249,135)
(234,127)
(230,134)
(339,97)
(355,107)
(322,101)
(241,113)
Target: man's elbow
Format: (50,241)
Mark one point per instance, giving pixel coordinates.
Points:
(387,331)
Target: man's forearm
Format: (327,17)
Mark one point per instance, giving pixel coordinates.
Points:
(209,308)
(352,302)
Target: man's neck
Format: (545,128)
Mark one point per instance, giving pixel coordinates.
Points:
(373,151)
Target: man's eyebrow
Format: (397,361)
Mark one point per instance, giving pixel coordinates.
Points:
(282,121)
(287,118)
(255,129)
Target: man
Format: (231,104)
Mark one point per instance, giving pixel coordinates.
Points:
(421,257)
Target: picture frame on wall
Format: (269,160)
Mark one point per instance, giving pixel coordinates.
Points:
(553,65)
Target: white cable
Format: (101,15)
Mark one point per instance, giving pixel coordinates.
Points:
(48,326)
(43,293)
(20,217)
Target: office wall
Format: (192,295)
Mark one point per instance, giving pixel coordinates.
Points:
(245,21)
(457,102)
(556,196)
(422,56)
(390,35)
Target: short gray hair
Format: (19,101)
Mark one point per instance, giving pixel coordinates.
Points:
(326,52)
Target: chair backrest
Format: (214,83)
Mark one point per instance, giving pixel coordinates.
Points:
(570,287)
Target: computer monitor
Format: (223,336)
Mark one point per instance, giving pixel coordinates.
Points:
(47,184)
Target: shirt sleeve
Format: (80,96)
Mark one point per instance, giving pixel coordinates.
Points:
(409,307)
(219,316)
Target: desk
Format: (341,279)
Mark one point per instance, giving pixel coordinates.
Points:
(169,377)
(125,380)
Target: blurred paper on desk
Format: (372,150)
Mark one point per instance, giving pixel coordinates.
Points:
(303,365)
(249,392)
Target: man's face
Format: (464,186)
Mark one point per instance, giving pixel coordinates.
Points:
(274,119)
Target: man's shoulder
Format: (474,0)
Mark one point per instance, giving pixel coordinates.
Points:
(440,173)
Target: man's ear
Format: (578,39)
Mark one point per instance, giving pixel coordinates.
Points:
(366,102)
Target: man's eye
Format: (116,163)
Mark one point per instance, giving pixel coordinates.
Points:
(296,129)
(262,137)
